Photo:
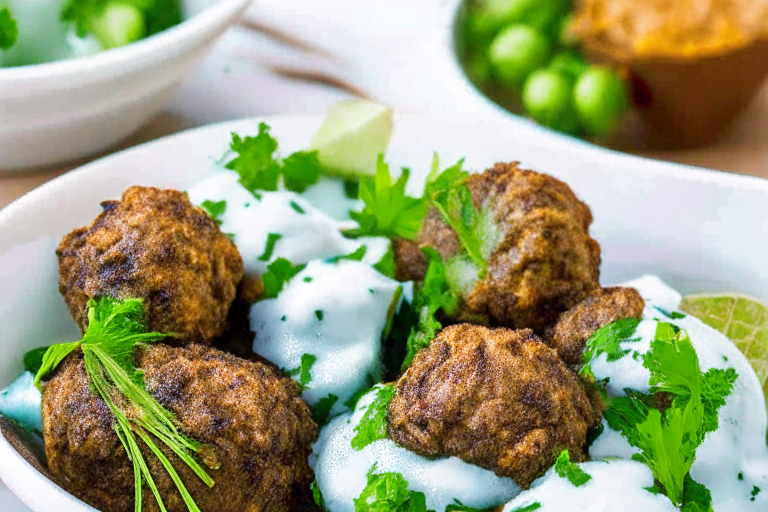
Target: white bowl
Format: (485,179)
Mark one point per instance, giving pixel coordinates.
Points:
(699,230)
(68,109)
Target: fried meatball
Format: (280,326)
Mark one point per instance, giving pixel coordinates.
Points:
(497,398)
(543,260)
(574,327)
(256,430)
(154,245)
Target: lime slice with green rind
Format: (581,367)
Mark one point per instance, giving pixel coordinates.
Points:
(743,319)
(352,136)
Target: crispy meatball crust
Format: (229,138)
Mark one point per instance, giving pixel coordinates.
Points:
(574,327)
(497,398)
(253,423)
(154,245)
(545,261)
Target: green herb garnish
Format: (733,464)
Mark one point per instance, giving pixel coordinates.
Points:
(608,340)
(668,440)
(570,471)
(434,294)
(373,424)
(296,207)
(9,29)
(33,359)
(388,210)
(317,495)
(303,370)
(215,209)
(322,411)
(260,169)
(357,255)
(272,239)
(458,506)
(279,272)
(388,492)
(115,330)
(386,265)
(528,508)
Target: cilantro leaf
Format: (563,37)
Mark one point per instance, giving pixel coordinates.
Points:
(160,15)
(322,411)
(215,209)
(373,424)
(272,239)
(279,272)
(303,370)
(448,193)
(301,170)
(386,265)
(668,440)
(431,296)
(696,497)
(570,471)
(83,13)
(9,29)
(388,492)
(674,315)
(388,211)
(458,506)
(318,495)
(608,340)
(357,255)
(528,508)
(33,359)
(260,169)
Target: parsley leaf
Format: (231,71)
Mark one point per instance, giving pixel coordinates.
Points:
(386,265)
(674,315)
(388,492)
(279,272)
(608,340)
(431,296)
(458,506)
(448,193)
(215,209)
(373,424)
(322,411)
(260,169)
(318,495)
(668,440)
(33,359)
(272,239)
(83,13)
(570,471)
(357,255)
(388,211)
(696,497)
(115,330)
(303,371)
(9,29)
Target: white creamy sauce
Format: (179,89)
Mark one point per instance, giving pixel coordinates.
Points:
(738,447)
(336,312)
(328,195)
(341,470)
(306,233)
(21,401)
(616,486)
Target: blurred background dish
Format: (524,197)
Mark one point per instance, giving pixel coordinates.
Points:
(57,111)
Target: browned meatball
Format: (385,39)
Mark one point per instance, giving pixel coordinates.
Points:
(257,431)
(154,245)
(574,327)
(497,398)
(544,261)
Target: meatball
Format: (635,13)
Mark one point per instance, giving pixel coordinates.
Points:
(255,429)
(154,245)
(497,398)
(543,261)
(574,327)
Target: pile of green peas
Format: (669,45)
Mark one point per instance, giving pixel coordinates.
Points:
(526,47)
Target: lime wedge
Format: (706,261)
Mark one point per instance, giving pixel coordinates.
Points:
(743,319)
(352,136)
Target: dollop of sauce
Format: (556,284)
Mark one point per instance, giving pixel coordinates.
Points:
(341,470)
(335,313)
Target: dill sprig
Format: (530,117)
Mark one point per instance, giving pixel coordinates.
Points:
(116,329)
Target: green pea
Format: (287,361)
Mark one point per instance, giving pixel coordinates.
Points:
(516,52)
(571,63)
(601,100)
(548,98)
(493,15)
(118,24)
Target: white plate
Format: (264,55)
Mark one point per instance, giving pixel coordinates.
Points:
(699,230)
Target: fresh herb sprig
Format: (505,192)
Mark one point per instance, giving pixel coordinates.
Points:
(260,168)
(373,425)
(388,492)
(116,329)
(668,439)
(9,29)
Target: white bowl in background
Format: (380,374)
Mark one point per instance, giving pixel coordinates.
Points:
(701,231)
(68,109)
